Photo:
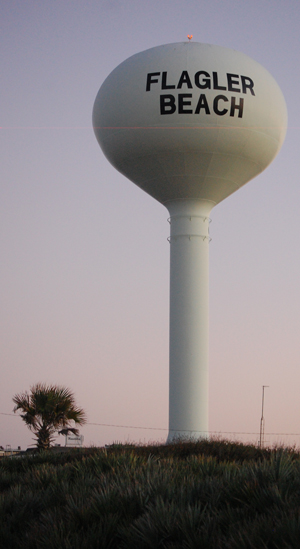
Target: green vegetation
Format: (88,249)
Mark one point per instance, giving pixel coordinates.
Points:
(190,495)
(47,409)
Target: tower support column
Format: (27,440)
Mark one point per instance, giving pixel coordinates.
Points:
(189,270)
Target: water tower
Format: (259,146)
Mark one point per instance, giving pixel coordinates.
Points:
(189,124)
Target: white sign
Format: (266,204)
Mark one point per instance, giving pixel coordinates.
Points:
(74,440)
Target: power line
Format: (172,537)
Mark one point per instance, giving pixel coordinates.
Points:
(190,431)
(177,430)
(129,426)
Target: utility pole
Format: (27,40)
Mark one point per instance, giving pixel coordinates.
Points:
(262,420)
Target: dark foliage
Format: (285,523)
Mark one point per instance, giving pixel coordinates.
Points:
(204,494)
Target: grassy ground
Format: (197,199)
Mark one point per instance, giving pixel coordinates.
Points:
(203,495)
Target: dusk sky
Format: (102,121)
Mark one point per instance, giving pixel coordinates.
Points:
(84,268)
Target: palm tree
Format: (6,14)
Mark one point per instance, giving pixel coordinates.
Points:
(47,409)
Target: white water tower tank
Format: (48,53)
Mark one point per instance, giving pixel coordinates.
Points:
(190,124)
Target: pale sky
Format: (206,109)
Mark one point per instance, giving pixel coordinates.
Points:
(84,271)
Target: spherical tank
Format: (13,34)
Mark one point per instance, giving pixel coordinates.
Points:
(190,120)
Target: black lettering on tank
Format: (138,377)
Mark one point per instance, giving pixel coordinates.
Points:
(239,107)
(151,80)
(216,104)
(182,103)
(164,85)
(247,83)
(202,104)
(216,82)
(167,104)
(184,79)
(205,83)
(233,80)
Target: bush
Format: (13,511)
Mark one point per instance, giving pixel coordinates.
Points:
(208,494)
